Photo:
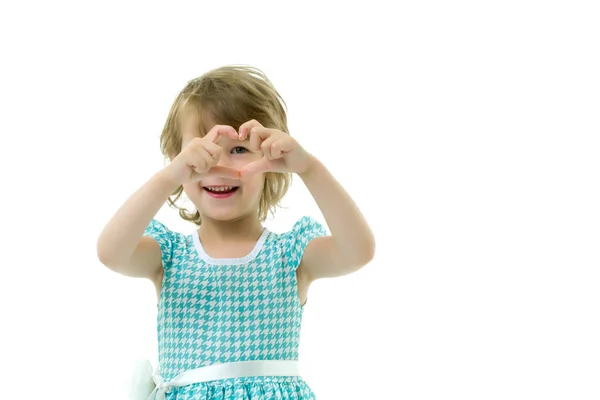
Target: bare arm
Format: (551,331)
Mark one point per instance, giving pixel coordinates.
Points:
(121,245)
(351,244)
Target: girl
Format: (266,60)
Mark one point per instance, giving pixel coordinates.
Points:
(231,295)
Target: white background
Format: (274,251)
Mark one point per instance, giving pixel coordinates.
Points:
(467,132)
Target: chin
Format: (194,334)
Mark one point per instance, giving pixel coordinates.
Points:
(224,216)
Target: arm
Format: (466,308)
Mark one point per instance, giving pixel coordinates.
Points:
(121,245)
(351,244)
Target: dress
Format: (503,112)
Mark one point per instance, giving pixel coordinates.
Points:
(224,310)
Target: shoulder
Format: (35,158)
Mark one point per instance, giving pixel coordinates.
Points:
(302,228)
(158,229)
(294,241)
(168,239)
(305,227)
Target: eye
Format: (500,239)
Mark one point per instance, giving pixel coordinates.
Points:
(238,150)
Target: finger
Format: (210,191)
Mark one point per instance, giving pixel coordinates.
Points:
(280,146)
(247,126)
(224,172)
(255,141)
(203,160)
(197,164)
(267,149)
(221,130)
(214,150)
(255,167)
(258,135)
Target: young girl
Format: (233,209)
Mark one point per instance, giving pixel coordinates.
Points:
(231,295)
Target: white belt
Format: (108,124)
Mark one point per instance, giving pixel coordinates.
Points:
(149,386)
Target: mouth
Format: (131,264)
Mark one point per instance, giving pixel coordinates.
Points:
(220,191)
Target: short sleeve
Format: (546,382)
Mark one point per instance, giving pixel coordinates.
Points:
(304,230)
(164,238)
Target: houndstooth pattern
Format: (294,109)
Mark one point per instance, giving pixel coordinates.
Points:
(225,310)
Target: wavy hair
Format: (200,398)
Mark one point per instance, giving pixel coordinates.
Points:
(231,95)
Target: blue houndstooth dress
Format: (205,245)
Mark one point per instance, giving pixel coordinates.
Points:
(225,310)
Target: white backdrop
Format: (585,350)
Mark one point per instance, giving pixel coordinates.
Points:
(468,133)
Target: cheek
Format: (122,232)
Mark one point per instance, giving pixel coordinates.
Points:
(254,183)
(191,190)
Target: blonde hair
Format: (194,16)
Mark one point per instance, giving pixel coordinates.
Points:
(231,95)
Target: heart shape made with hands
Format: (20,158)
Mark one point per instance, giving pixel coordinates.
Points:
(274,145)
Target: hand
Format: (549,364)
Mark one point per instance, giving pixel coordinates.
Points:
(200,157)
(281,152)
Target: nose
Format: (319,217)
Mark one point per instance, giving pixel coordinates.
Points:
(224,160)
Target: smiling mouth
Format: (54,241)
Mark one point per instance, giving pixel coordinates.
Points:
(221,189)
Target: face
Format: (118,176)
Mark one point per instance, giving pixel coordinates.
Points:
(225,199)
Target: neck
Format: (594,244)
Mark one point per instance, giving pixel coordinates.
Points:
(246,228)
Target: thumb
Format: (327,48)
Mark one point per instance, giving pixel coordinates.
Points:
(256,167)
(224,172)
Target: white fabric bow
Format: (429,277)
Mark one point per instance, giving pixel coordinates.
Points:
(160,389)
(145,385)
